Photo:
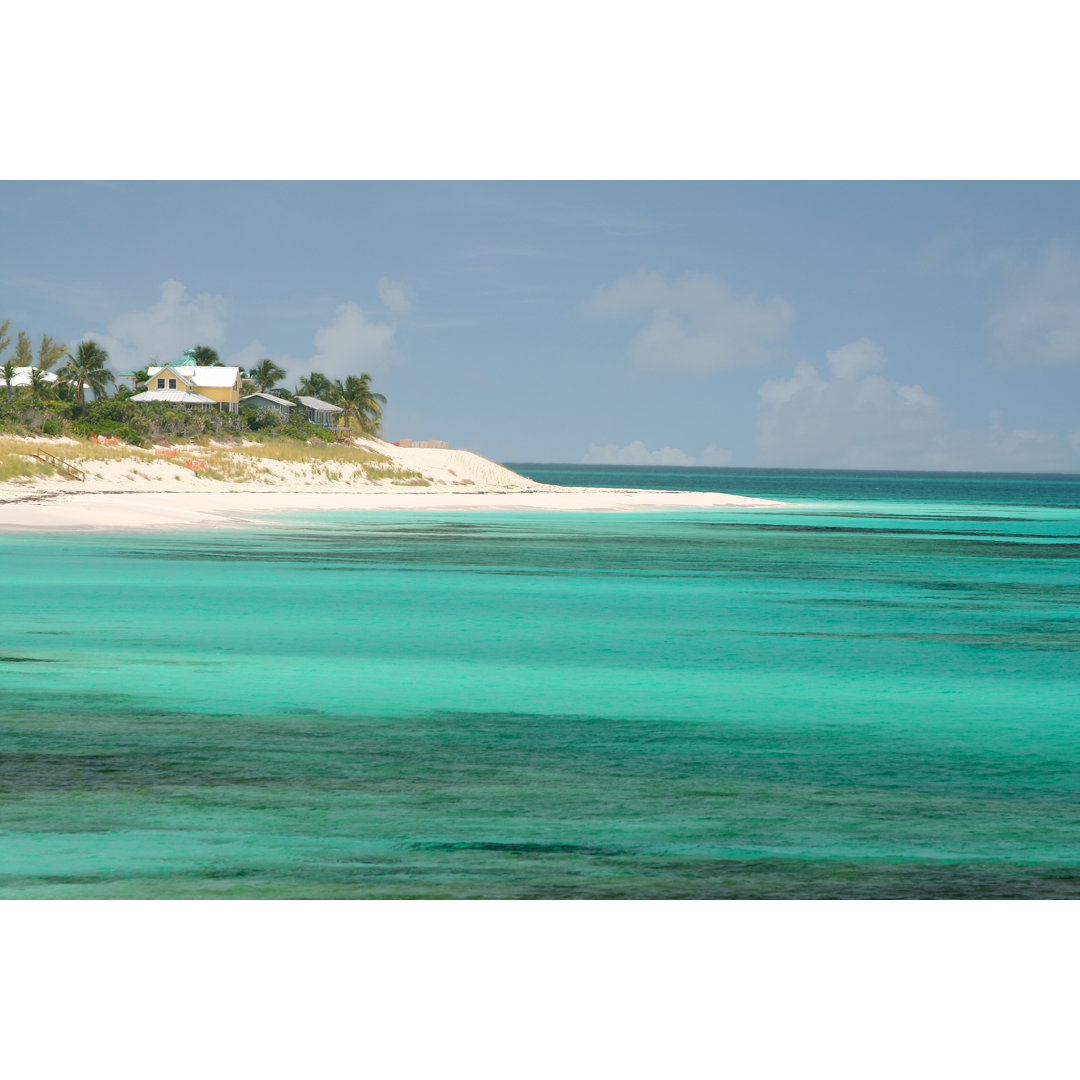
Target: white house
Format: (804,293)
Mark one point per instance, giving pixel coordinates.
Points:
(21,377)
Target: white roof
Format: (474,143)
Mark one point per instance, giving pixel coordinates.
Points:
(21,377)
(270,397)
(200,376)
(183,397)
(317,405)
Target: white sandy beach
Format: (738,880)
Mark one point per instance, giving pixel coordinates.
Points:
(141,489)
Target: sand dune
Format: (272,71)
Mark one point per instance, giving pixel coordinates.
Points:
(126,487)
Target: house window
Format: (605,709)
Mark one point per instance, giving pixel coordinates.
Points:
(172,384)
(161,384)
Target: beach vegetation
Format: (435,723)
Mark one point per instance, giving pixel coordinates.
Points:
(278,449)
(304,431)
(112,429)
(49,352)
(272,424)
(86,368)
(315,385)
(231,460)
(24,351)
(204,356)
(40,387)
(25,415)
(7,372)
(396,475)
(72,450)
(266,375)
(246,463)
(85,400)
(362,406)
(15,467)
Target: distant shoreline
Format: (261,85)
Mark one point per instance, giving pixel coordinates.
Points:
(129,488)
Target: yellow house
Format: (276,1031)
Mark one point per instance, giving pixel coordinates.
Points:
(183,384)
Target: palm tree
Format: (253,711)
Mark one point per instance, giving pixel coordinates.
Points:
(9,374)
(265,374)
(315,385)
(204,356)
(361,404)
(40,387)
(5,341)
(87,368)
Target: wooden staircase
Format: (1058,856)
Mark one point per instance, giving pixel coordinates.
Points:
(64,468)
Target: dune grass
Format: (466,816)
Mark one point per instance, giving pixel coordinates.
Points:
(249,463)
(69,451)
(288,450)
(408,477)
(16,464)
(325,461)
(22,468)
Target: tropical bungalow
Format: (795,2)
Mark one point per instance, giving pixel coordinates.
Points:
(184,384)
(319,412)
(268,403)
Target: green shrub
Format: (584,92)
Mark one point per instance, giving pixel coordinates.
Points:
(299,428)
(129,433)
(143,422)
(26,415)
(115,409)
(89,428)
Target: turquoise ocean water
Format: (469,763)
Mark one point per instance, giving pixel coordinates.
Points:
(874,692)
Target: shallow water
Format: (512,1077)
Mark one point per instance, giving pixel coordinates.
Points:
(872,694)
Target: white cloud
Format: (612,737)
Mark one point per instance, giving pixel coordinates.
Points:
(695,324)
(714,457)
(394,296)
(1038,319)
(637,453)
(857,359)
(855,418)
(352,344)
(164,329)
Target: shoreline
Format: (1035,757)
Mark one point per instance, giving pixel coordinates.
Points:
(133,488)
(103,511)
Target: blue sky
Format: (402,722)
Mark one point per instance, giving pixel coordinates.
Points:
(877,325)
